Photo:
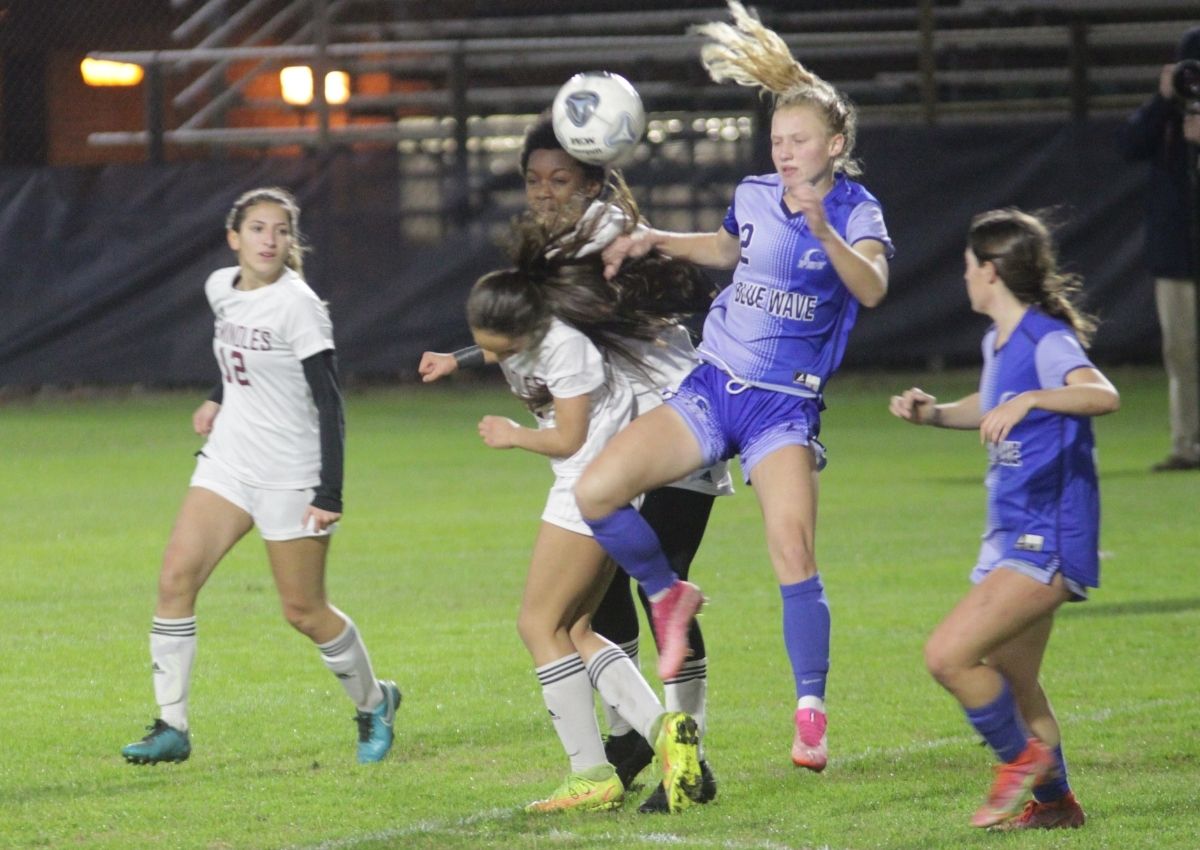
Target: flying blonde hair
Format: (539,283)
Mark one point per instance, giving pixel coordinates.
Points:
(750,54)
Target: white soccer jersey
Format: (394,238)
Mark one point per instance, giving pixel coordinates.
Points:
(267,434)
(566,363)
(666,361)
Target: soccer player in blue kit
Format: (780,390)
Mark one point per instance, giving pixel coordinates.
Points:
(807,245)
(1036,397)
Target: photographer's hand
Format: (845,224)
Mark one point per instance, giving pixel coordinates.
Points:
(1191,127)
(1165,86)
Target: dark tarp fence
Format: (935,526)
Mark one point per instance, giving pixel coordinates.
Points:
(102,269)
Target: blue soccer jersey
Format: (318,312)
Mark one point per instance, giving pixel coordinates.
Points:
(1043,495)
(783,322)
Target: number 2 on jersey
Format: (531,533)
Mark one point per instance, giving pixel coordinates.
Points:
(238,371)
(747,235)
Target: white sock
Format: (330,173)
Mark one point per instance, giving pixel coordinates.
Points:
(568,697)
(811,702)
(172,654)
(347,658)
(688,692)
(622,686)
(618,725)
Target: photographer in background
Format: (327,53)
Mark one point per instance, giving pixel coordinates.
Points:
(1166,131)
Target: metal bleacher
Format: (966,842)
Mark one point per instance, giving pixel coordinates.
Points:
(452,84)
(899,61)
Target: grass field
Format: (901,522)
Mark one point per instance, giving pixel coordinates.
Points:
(430,562)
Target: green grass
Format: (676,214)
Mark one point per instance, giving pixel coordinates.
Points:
(430,561)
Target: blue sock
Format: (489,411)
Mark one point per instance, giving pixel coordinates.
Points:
(632,543)
(1000,725)
(1056,787)
(806,634)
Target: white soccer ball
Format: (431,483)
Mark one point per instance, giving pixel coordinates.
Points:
(598,117)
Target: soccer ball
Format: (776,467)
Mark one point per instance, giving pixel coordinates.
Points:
(598,117)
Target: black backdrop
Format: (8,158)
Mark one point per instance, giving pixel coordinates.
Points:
(102,269)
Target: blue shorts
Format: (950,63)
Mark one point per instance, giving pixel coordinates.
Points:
(996,553)
(728,418)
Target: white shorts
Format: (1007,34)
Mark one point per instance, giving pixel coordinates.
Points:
(276,513)
(562,511)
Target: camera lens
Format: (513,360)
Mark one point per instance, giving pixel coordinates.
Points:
(1186,79)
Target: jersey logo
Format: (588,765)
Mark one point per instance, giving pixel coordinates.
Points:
(777,302)
(1030,543)
(812,260)
(1005,453)
(813,382)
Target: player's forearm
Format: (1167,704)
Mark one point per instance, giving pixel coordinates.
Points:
(551,442)
(715,250)
(962,415)
(866,278)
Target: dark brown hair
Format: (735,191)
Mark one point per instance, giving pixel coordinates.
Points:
(1020,246)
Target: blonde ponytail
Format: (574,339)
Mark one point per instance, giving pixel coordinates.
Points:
(749,54)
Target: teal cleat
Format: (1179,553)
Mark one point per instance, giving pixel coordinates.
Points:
(164,743)
(375,728)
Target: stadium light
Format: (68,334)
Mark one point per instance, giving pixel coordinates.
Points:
(296,84)
(103,72)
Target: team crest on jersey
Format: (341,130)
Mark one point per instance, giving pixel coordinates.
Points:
(813,260)
(1005,453)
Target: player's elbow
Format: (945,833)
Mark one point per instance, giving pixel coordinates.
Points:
(874,298)
(1112,401)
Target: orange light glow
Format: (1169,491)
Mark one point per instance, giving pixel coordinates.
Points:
(103,72)
(296,85)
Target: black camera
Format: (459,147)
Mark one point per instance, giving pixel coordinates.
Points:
(1186,83)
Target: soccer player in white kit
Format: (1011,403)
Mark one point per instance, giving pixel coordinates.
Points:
(564,373)
(273,459)
(569,195)
(807,246)
(1037,394)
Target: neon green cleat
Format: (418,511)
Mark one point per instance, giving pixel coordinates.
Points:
(594,790)
(677,745)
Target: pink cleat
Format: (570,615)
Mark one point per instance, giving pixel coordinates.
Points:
(672,614)
(809,747)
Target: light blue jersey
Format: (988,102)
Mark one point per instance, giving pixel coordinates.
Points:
(1043,494)
(783,322)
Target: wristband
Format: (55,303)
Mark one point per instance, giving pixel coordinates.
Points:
(470,356)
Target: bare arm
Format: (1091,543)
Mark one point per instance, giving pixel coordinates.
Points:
(863,267)
(563,440)
(1087,393)
(435,365)
(718,250)
(920,408)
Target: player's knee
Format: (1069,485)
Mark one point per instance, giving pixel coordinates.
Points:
(531,627)
(178,580)
(793,559)
(303,618)
(940,663)
(589,495)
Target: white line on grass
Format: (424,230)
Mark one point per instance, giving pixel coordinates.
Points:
(1098,716)
(666,838)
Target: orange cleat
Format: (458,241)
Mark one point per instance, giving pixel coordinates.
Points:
(1014,781)
(1056,814)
